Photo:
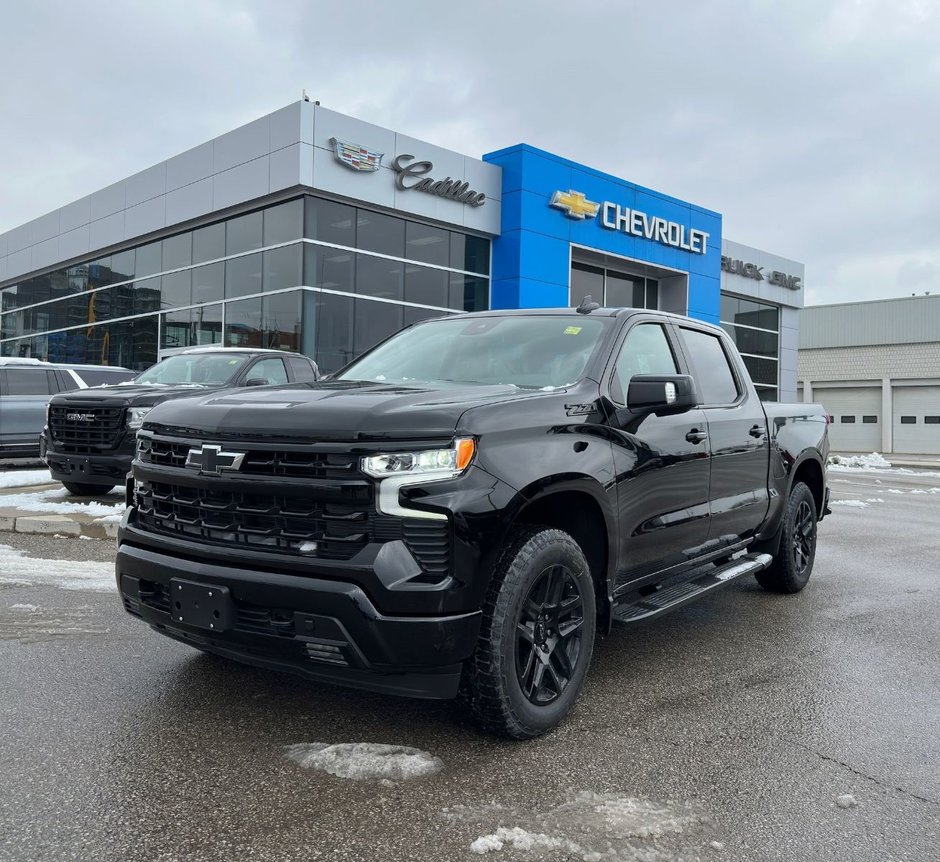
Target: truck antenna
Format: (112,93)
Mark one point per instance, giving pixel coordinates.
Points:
(587,305)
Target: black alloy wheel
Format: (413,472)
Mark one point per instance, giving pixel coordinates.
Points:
(536,635)
(793,563)
(549,635)
(803,537)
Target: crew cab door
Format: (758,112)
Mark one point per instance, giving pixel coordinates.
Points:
(737,433)
(661,462)
(24,394)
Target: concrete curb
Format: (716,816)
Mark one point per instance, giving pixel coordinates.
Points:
(72,525)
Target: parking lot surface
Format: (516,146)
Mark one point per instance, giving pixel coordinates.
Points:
(748,727)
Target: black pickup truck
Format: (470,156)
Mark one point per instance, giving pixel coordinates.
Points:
(462,510)
(88,441)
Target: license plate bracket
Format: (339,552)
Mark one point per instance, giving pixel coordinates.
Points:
(205,606)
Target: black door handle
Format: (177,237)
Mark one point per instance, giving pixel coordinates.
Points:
(696,436)
(757,431)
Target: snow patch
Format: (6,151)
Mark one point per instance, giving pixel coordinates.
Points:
(864,462)
(21,607)
(519,839)
(852,504)
(366,761)
(17,570)
(51,502)
(587,826)
(874,500)
(847,800)
(894,491)
(24,478)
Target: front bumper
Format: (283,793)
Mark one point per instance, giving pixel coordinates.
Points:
(107,470)
(326,630)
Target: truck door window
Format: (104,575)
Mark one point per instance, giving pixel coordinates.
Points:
(645,351)
(271,370)
(710,367)
(303,370)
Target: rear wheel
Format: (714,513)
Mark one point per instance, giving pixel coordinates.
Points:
(81,489)
(790,570)
(536,637)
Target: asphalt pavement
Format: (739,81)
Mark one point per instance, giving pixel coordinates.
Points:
(746,727)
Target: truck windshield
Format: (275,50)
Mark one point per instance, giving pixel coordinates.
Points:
(530,352)
(205,369)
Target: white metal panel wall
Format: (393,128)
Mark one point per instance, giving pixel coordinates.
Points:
(857,436)
(919,402)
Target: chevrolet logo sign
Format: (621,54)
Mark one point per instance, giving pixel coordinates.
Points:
(211,459)
(575,204)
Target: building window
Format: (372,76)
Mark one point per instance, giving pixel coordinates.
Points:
(255,272)
(611,288)
(847,420)
(870,420)
(908,420)
(932,420)
(754,328)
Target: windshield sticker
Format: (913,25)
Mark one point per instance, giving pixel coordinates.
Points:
(572,330)
(233,362)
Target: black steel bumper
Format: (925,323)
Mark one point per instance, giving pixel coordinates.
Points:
(107,469)
(325,630)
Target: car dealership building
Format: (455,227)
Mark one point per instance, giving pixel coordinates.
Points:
(310,230)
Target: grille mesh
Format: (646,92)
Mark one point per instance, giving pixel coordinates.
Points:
(98,429)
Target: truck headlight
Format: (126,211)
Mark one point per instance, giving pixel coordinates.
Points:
(135,417)
(431,463)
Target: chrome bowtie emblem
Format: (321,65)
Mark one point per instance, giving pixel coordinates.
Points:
(211,459)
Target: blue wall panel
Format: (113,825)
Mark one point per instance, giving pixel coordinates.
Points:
(531,259)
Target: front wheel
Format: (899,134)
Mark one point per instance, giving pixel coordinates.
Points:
(791,567)
(536,637)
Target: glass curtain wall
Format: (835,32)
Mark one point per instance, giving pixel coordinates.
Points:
(755,329)
(309,274)
(612,288)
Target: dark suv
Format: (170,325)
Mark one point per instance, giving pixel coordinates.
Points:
(88,441)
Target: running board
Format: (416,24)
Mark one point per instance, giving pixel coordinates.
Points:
(677,595)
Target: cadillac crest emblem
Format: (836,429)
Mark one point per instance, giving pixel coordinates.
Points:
(354,157)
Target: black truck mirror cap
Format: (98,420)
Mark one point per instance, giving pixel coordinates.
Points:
(661,393)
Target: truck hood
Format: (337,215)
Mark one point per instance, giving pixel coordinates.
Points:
(128,394)
(329,411)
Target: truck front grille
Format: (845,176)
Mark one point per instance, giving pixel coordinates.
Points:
(267,522)
(85,430)
(262,462)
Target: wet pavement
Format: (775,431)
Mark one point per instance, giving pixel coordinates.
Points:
(732,729)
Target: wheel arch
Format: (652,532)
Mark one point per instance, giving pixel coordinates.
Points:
(580,507)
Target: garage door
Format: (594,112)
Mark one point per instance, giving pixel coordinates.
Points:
(856,418)
(917,420)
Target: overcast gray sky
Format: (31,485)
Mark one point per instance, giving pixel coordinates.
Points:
(811,125)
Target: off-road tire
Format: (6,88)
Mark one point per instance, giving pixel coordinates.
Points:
(788,573)
(490,685)
(81,489)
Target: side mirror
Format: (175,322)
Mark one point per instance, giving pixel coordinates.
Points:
(256,381)
(661,394)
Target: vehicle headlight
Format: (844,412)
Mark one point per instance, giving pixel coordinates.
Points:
(143,447)
(440,463)
(135,417)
